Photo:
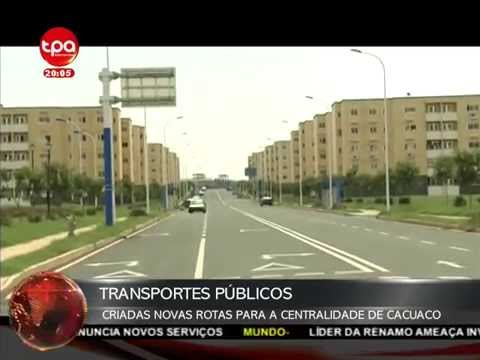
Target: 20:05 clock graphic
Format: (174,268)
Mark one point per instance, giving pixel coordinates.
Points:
(58,73)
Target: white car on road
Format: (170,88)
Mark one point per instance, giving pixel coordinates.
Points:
(197,204)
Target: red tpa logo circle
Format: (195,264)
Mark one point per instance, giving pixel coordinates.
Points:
(59,46)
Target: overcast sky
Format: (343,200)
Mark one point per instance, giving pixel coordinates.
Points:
(233,99)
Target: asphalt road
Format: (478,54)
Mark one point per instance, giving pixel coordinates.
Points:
(237,238)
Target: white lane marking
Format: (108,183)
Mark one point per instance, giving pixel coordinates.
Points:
(201,252)
(126,263)
(220,198)
(266,276)
(122,274)
(351,259)
(344,225)
(271,256)
(252,230)
(384,233)
(309,274)
(459,248)
(200,259)
(276,266)
(367,229)
(393,277)
(226,277)
(64,267)
(454,277)
(154,235)
(427,242)
(346,272)
(354,227)
(449,263)
(455,230)
(403,237)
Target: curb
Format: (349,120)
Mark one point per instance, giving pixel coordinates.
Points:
(10,282)
(429,224)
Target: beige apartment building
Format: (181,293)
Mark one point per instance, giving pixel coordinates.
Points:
(128,157)
(24,132)
(155,166)
(294,156)
(138,133)
(420,129)
(282,161)
(307,141)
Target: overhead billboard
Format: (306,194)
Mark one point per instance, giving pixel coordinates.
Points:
(148,87)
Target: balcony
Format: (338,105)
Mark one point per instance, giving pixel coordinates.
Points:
(14,146)
(447,116)
(433,154)
(439,135)
(13,128)
(14,165)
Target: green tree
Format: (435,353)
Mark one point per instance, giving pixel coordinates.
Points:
(443,171)
(466,169)
(22,183)
(94,188)
(404,175)
(59,179)
(81,184)
(128,189)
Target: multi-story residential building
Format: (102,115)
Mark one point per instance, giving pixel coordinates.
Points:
(155,163)
(270,165)
(138,133)
(420,130)
(128,156)
(282,162)
(307,141)
(294,156)
(320,145)
(74,133)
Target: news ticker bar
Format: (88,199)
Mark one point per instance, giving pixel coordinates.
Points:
(249,332)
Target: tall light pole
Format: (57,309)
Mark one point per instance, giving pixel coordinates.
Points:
(94,143)
(385,116)
(270,169)
(185,185)
(285,122)
(165,159)
(330,162)
(300,170)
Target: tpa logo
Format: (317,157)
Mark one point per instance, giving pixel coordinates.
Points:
(59,46)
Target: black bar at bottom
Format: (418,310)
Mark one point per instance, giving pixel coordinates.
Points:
(246,332)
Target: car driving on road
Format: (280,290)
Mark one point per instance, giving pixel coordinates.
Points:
(197,204)
(266,200)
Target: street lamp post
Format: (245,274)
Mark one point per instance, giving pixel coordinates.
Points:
(145,162)
(330,162)
(279,173)
(300,168)
(165,160)
(387,175)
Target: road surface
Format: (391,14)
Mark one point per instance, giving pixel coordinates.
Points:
(237,238)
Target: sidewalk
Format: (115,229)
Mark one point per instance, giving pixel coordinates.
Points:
(38,244)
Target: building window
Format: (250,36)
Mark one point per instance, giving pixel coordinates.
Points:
(99,119)
(372,111)
(410,109)
(354,130)
(45,119)
(339,132)
(284,177)
(84,138)
(125,144)
(473,124)
(410,126)
(83,119)
(323,155)
(373,147)
(321,125)
(373,130)
(284,158)
(472,107)
(374,165)
(84,156)
(354,112)
(355,147)
(474,144)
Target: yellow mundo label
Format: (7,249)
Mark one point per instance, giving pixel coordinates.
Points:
(265,331)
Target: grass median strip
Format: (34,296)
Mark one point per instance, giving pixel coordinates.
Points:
(21,231)
(17,264)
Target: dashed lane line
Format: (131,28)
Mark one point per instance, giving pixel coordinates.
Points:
(428,242)
(459,248)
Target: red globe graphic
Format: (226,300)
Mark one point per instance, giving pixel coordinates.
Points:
(47,310)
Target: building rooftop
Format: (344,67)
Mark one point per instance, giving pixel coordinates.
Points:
(99,107)
(410,98)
